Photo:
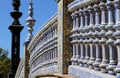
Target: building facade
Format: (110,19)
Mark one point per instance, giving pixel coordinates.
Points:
(82,39)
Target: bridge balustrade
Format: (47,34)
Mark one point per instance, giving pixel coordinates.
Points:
(96,35)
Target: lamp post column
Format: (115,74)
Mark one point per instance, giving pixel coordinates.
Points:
(15,29)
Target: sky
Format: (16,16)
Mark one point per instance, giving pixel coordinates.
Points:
(43,10)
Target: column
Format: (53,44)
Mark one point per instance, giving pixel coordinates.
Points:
(92,20)
(77,20)
(81,21)
(56,54)
(117,35)
(49,34)
(85,29)
(98,56)
(77,53)
(97,19)
(82,49)
(95,35)
(90,41)
(86,15)
(74,20)
(53,32)
(73,57)
(56,30)
(92,56)
(82,57)
(103,40)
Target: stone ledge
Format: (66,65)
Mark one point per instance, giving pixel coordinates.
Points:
(78,4)
(82,72)
(40,71)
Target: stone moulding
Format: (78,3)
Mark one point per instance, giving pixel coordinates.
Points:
(51,69)
(52,20)
(79,4)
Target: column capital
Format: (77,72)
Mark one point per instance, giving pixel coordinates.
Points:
(102,6)
(116,4)
(85,11)
(81,12)
(90,9)
(96,8)
(109,5)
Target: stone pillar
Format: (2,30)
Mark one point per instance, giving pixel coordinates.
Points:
(77,53)
(95,35)
(92,20)
(82,22)
(97,19)
(90,41)
(86,55)
(86,15)
(85,31)
(56,55)
(64,31)
(82,49)
(73,57)
(53,31)
(117,35)
(74,20)
(82,57)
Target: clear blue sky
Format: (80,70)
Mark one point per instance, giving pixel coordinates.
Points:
(43,10)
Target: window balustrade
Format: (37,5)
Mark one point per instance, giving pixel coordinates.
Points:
(96,36)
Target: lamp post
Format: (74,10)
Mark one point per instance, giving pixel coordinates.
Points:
(15,29)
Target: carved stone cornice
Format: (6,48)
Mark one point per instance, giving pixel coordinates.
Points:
(78,4)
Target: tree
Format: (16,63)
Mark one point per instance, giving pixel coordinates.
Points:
(4,63)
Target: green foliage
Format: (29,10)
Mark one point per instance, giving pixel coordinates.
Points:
(4,63)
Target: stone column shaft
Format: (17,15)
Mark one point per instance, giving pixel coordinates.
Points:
(86,55)
(74,20)
(81,18)
(92,56)
(105,58)
(82,56)
(98,57)
(55,31)
(77,20)
(73,57)
(77,51)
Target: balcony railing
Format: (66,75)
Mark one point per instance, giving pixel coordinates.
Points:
(96,35)
(43,47)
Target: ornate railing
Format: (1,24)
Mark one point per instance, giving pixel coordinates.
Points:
(96,34)
(43,47)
